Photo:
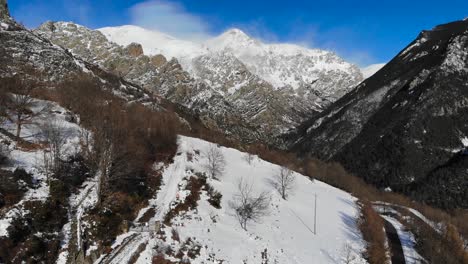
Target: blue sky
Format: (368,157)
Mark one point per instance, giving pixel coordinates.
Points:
(363,32)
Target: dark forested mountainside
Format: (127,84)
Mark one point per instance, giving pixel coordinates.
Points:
(406,126)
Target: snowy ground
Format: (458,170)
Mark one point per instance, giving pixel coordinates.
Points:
(32,160)
(285,235)
(386,207)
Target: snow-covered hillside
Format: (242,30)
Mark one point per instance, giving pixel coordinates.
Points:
(207,234)
(32,159)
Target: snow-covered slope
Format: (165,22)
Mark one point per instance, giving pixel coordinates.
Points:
(31,160)
(284,236)
(371,70)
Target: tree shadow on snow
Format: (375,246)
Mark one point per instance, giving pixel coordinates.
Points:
(350,226)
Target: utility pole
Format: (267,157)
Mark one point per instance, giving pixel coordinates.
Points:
(315,215)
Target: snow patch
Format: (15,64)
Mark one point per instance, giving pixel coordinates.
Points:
(371,69)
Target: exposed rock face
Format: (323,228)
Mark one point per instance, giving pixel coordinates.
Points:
(158,60)
(406,126)
(134,50)
(32,56)
(4,12)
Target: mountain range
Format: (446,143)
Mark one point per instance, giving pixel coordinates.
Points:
(237,84)
(127,145)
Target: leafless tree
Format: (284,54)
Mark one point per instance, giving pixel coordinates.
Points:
(247,205)
(4,153)
(54,134)
(3,104)
(284,181)
(348,256)
(216,161)
(16,97)
(20,106)
(249,157)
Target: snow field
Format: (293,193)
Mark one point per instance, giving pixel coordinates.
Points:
(285,234)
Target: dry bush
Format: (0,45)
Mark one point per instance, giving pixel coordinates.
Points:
(175,235)
(121,138)
(372,228)
(4,153)
(159,259)
(455,244)
(194,185)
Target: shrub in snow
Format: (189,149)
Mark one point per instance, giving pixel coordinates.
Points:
(214,196)
(73,171)
(247,205)
(4,153)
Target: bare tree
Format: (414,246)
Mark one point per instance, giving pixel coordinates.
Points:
(54,135)
(216,162)
(3,103)
(247,205)
(348,256)
(284,181)
(4,153)
(20,106)
(249,157)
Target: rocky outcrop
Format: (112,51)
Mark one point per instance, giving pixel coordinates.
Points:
(4,11)
(134,50)
(405,127)
(158,60)
(32,56)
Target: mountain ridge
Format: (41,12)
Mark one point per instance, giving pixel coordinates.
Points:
(402,125)
(220,86)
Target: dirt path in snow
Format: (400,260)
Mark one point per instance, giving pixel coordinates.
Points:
(398,257)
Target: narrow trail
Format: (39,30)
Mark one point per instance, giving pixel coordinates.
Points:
(112,255)
(396,248)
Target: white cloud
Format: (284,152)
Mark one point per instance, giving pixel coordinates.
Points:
(170,18)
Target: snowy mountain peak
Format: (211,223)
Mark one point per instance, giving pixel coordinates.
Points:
(236,33)
(232,40)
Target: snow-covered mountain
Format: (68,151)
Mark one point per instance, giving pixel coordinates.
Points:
(306,71)
(239,85)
